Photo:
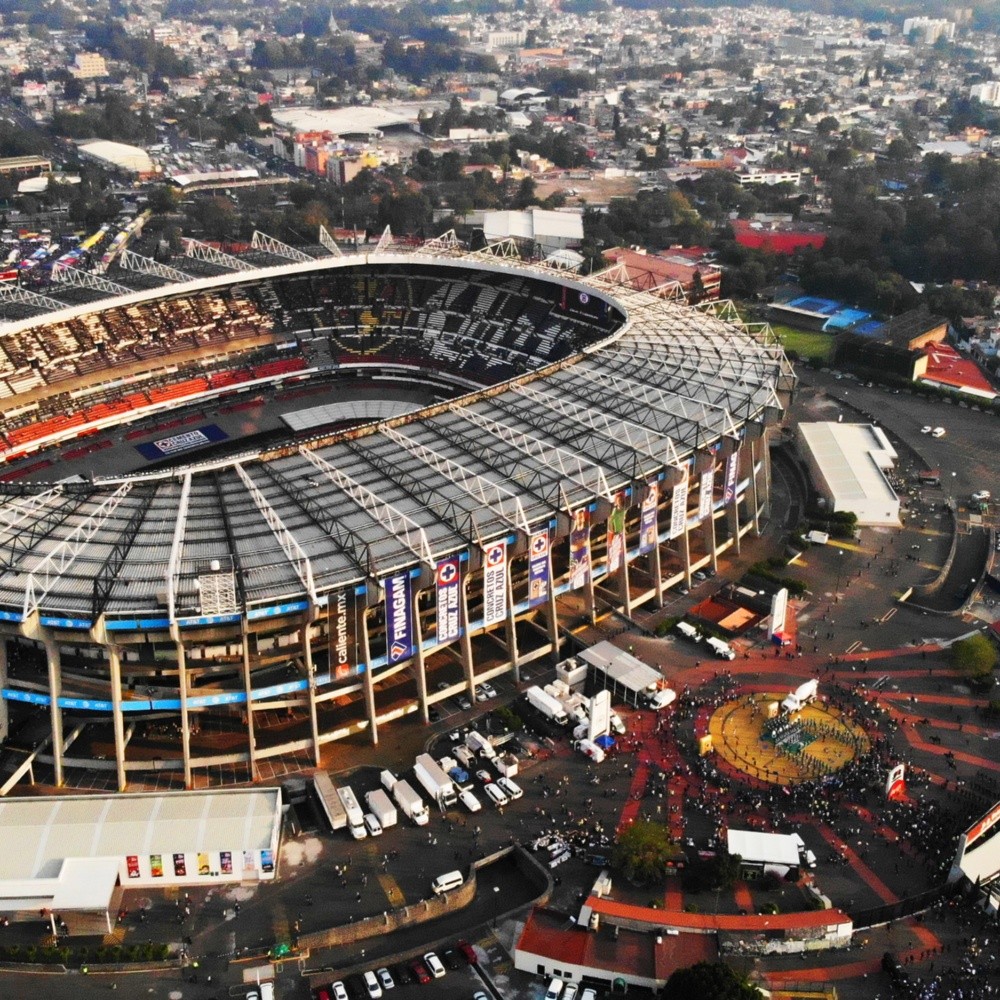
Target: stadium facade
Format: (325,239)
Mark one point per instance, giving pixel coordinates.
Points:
(586,447)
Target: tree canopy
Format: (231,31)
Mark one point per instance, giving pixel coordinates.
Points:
(643,850)
(709,981)
(976,657)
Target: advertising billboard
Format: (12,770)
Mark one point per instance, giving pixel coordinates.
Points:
(342,612)
(600,715)
(398,619)
(732,467)
(678,509)
(705,489)
(579,549)
(616,533)
(538,567)
(647,517)
(494,582)
(448,581)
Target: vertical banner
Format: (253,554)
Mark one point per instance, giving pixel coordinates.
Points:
(267,861)
(732,465)
(342,612)
(156,865)
(449,579)
(779,611)
(398,619)
(895,782)
(180,866)
(249,863)
(579,549)
(678,508)
(616,534)
(132,864)
(203,866)
(705,491)
(538,567)
(647,517)
(226,862)
(495,582)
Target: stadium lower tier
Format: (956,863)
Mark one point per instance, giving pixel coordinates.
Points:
(149,705)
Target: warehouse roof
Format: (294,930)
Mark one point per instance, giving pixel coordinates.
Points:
(763,848)
(132,158)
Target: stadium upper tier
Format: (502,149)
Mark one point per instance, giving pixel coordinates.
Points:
(568,391)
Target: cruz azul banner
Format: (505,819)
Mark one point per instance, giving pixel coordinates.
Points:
(538,567)
(449,580)
(398,619)
(647,517)
(494,583)
(343,614)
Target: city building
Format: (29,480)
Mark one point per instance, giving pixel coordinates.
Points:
(88,66)
(699,280)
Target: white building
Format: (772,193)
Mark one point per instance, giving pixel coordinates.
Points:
(84,849)
(848,464)
(929,29)
(119,155)
(550,230)
(986,93)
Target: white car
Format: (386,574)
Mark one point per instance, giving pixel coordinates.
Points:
(372,986)
(554,992)
(339,990)
(469,801)
(938,432)
(926,429)
(434,966)
(510,788)
(488,689)
(484,776)
(570,991)
(496,795)
(372,825)
(385,978)
(589,994)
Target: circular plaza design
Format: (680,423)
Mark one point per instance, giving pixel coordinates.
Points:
(751,734)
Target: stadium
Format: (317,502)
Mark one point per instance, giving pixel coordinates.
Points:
(282,498)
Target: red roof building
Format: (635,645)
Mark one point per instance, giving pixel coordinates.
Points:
(948,369)
(780,238)
(700,281)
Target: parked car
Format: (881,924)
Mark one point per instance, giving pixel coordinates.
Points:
(510,788)
(419,971)
(469,801)
(385,978)
(339,990)
(434,966)
(484,776)
(372,986)
(468,952)
(496,796)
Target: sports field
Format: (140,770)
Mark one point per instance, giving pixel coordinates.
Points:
(805,343)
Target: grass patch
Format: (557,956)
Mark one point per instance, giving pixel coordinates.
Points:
(805,343)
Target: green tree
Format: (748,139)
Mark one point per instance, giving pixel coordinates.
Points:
(975,657)
(643,850)
(709,981)
(827,125)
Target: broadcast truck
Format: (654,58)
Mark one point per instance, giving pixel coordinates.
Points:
(550,707)
(355,814)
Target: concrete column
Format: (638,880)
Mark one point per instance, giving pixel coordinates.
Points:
(368,680)
(307,658)
(754,497)
(55,712)
(247,638)
(118,721)
(465,643)
(4,715)
(419,661)
(182,690)
(511,629)
(733,515)
(551,608)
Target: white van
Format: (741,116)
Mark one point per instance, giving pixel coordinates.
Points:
(721,649)
(447,882)
(689,631)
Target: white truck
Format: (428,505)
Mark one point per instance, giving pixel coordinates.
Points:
(590,749)
(355,814)
(479,744)
(801,696)
(380,805)
(657,697)
(411,804)
(550,707)
(436,783)
(721,649)
(689,631)
(506,764)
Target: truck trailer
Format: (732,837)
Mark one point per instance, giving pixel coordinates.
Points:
(355,814)
(380,805)
(411,804)
(550,707)
(436,783)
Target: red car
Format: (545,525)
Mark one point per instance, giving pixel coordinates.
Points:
(419,971)
(468,952)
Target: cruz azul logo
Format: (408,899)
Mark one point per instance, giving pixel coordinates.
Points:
(539,544)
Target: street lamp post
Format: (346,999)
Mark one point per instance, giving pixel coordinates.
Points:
(496,905)
(840,566)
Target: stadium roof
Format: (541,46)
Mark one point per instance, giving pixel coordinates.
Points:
(301,522)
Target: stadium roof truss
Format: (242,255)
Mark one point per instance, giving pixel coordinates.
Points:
(303,520)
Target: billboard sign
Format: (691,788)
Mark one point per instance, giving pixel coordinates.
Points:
(495,582)
(616,534)
(732,466)
(895,782)
(678,509)
(705,490)
(600,715)
(538,567)
(579,549)
(398,619)
(779,611)
(342,612)
(647,517)
(448,578)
